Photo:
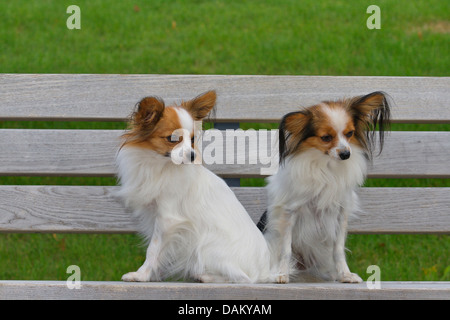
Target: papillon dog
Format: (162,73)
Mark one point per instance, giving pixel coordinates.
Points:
(324,154)
(196,227)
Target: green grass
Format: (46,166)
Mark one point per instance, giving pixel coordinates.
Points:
(220,37)
(226,37)
(107,257)
(401,257)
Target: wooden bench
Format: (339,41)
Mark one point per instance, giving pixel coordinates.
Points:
(92,209)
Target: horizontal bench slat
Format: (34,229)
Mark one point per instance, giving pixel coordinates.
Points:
(222,291)
(93,209)
(92,153)
(98,97)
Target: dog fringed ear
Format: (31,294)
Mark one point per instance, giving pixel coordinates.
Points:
(201,106)
(295,122)
(371,104)
(148,112)
(292,131)
(370,112)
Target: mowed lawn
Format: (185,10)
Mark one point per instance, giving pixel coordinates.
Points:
(220,37)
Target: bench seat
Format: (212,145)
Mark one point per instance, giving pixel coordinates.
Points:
(261,99)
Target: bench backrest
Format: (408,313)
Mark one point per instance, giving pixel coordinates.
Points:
(265,99)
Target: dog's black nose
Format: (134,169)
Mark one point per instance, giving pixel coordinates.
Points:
(344,155)
(192,155)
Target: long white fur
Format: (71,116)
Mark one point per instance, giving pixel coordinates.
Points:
(310,200)
(194,223)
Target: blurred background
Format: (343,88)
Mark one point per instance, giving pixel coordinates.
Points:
(276,37)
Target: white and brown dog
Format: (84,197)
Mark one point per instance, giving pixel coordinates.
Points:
(324,150)
(195,225)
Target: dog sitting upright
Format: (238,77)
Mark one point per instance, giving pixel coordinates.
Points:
(196,227)
(324,150)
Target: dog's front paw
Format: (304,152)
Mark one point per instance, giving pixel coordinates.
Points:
(282,278)
(136,277)
(350,278)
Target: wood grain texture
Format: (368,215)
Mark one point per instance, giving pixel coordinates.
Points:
(98,97)
(57,290)
(58,152)
(92,153)
(71,209)
(93,209)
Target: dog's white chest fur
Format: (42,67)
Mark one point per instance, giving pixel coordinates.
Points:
(318,194)
(194,223)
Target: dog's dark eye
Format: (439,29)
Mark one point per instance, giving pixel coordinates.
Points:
(349,134)
(326,138)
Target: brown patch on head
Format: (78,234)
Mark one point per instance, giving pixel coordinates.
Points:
(152,126)
(149,112)
(294,128)
(331,122)
(318,127)
(200,106)
(161,139)
(296,122)
(317,141)
(327,125)
(365,105)
(368,112)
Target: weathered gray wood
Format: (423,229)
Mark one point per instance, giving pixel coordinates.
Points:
(93,209)
(92,153)
(49,290)
(231,182)
(240,98)
(58,152)
(403,210)
(69,209)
